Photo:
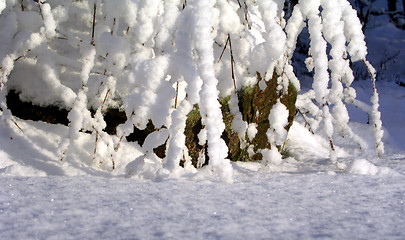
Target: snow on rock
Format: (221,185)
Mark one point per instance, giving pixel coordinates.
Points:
(238,125)
(251,131)
(278,119)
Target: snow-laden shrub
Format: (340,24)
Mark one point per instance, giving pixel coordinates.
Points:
(157,60)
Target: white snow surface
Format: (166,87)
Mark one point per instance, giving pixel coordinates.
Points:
(264,206)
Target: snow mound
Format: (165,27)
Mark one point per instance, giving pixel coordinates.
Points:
(364,167)
(302,144)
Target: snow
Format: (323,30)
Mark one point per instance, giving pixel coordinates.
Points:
(2,5)
(304,206)
(303,198)
(279,119)
(297,195)
(209,105)
(362,166)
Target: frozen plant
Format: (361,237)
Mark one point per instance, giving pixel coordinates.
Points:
(164,62)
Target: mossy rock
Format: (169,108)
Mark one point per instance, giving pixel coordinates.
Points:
(255,106)
(194,126)
(252,100)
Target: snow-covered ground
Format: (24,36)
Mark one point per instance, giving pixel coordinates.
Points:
(263,206)
(304,198)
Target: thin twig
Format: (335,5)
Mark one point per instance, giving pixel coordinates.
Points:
(40,9)
(113,162)
(240,6)
(332,147)
(17,125)
(376,120)
(18,58)
(306,121)
(246,15)
(94,24)
(232,61)
(105,99)
(15,60)
(371,75)
(119,143)
(95,147)
(228,41)
(372,80)
(219,45)
(184,4)
(113,26)
(223,50)
(259,78)
(177,93)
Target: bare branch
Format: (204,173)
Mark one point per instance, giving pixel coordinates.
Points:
(94,24)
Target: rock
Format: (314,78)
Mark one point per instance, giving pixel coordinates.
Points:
(252,100)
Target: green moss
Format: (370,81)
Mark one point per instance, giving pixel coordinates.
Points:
(255,106)
(230,137)
(193,128)
(194,115)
